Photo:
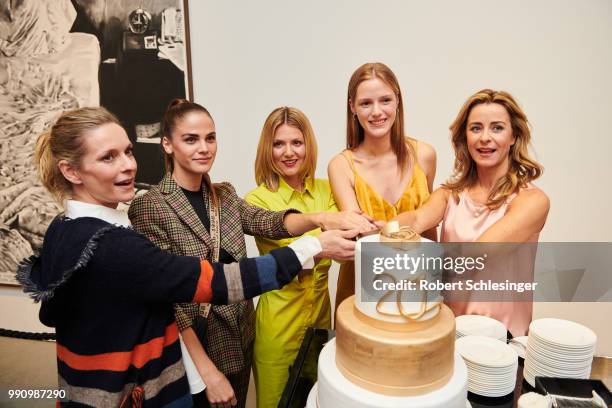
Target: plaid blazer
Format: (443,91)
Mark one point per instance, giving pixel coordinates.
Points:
(165,216)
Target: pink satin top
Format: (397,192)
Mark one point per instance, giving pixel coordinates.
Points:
(465,221)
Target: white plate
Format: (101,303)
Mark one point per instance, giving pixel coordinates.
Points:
(485,351)
(532,399)
(557,348)
(488,392)
(556,351)
(490,370)
(491,378)
(534,369)
(558,364)
(492,388)
(545,371)
(559,355)
(475,325)
(519,344)
(563,333)
(501,379)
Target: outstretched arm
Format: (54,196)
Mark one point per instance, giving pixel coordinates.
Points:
(429,215)
(525,216)
(298,224)
(259,221)
(134,266)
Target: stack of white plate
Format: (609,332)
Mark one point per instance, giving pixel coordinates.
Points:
(491,365)
(519,344)
(475,325)
(558,348)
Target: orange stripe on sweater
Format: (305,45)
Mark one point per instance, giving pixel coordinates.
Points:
(121,360)
(203,293)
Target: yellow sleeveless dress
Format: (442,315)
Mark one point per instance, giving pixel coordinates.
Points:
(373,204)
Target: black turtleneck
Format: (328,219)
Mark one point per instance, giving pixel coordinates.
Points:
(197,202)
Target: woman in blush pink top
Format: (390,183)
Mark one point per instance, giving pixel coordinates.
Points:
(466,220)
(489,198)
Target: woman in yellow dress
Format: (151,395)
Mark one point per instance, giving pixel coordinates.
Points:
(284,171)
(382,172)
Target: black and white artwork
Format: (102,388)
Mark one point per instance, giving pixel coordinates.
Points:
(130,56)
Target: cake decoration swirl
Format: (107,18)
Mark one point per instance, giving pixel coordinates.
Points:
(425,306)
(403,238)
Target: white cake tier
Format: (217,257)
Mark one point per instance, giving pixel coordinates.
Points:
(411,300)
(311,402)
(335,391)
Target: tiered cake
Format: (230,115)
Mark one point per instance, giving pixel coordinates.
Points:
(391,358)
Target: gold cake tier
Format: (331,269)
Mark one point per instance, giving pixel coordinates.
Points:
(408,359)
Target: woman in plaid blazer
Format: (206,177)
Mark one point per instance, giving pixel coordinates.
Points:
(179,215)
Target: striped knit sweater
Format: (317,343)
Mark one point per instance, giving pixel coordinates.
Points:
(109,293)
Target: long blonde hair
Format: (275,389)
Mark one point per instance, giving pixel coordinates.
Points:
(64,141)
(266,170)
(354,131)
(177,109)
(522,168)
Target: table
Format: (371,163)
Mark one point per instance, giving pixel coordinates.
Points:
(303,375)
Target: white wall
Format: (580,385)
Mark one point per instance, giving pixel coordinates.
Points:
(19,312)
(554,56)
